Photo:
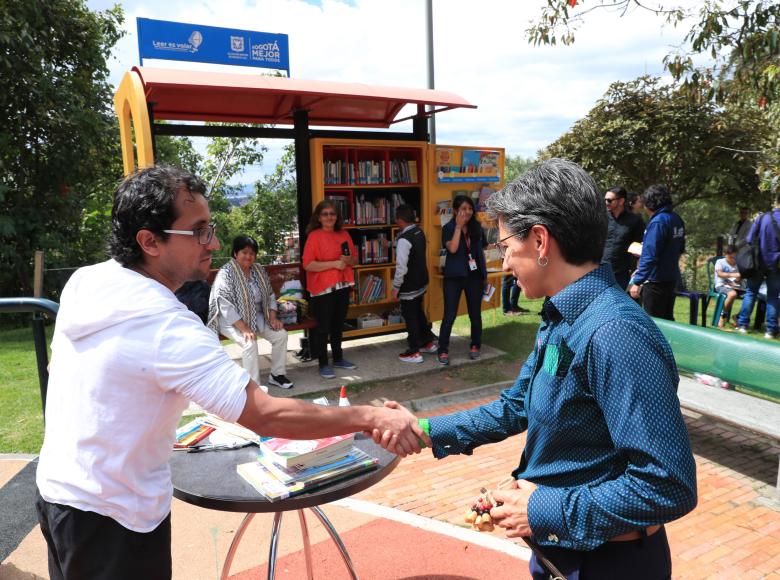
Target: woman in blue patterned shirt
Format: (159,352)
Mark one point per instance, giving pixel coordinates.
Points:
(607,459)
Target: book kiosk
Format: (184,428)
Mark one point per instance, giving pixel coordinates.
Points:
(367,173)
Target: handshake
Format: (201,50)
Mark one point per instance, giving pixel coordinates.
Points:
(398,430)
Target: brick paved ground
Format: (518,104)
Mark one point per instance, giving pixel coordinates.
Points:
(734,532)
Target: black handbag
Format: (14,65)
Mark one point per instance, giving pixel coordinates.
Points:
(749,260)
(749,256)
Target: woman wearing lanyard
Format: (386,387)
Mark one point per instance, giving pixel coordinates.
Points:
(464,271)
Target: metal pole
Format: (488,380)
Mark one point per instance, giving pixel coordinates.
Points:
(429,52)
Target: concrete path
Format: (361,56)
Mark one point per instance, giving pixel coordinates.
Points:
(376,358)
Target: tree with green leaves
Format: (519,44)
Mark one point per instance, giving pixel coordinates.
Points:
(59,151)
(740,40)
(226,158)
(271,214)
(515,166)
(642,132)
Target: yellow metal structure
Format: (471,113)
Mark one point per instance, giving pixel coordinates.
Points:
(130,107)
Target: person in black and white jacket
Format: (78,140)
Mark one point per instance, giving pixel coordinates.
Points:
(410,284)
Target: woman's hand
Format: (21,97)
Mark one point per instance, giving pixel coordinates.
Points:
(248,335)
(340,264)
(349,260)
(513,515)
(461,219)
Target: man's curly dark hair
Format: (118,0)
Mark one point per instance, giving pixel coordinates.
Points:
(145,200)
(655,197)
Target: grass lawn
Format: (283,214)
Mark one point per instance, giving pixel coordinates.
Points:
(21,418)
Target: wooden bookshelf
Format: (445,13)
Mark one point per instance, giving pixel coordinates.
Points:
(368,179)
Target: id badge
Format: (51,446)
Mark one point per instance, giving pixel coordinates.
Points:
(472,263)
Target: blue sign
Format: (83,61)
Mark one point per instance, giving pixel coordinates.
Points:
(195,43)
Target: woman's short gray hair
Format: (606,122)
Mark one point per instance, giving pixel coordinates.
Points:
(564,198)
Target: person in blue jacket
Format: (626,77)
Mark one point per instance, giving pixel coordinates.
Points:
(464,271)
(655,279)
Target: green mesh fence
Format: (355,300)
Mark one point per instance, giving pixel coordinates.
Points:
(741,360)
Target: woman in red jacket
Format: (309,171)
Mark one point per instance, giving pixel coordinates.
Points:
(328,257)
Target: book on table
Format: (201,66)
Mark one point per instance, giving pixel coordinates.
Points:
(306,452)
(275,482)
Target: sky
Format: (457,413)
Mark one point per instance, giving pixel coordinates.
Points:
(527,96)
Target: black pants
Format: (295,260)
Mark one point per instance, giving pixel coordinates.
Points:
(658,299)
(510,294)
(473,286)
(87,546)
(417,325)
(645,559)
(330,311)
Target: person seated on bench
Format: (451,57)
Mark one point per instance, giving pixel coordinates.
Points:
(728,281)
(242,306)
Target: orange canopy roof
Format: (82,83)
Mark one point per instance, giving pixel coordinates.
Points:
(243,98)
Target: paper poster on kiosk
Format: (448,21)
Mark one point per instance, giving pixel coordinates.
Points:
(461,165)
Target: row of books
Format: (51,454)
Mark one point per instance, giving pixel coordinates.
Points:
(344,207)
(287,467)
(369,288)
(373,248)
(372,211)
(370,172)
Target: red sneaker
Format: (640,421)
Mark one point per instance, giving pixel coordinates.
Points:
(410,357)
(474,353)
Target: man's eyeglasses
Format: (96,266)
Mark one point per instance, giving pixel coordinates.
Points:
(609,200)
(501,246)
(204,234)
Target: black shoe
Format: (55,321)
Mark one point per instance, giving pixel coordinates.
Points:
(280,381)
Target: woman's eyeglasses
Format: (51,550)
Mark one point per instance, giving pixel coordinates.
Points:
(328,214)
(204,234)
(502,247)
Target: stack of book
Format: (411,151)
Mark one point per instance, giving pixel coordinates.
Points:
(287,467)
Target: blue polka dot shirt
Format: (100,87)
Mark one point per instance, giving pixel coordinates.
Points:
(606,444)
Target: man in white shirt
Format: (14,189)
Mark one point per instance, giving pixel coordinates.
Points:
(126,358)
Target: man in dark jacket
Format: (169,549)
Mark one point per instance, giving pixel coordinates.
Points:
(659,265)
(624,228)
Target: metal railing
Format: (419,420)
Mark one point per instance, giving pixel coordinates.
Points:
(39,307)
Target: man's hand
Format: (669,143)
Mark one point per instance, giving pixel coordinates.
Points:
(397,430)
(275,323)
(387,439)
(513,515)
(395,293)
(634,290)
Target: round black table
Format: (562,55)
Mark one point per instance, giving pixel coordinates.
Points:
(209,479)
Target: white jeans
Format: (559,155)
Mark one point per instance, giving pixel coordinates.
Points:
(250,356)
